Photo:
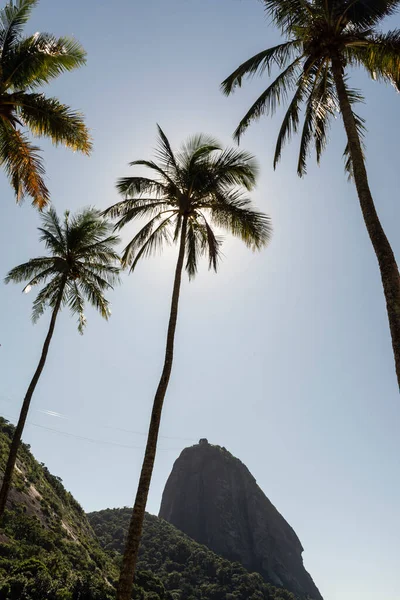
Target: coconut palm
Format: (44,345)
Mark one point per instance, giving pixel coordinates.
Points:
(26,64)
(323,40)
(81,264)
(190,191)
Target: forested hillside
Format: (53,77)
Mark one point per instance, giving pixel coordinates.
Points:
(51,550)
(187,570)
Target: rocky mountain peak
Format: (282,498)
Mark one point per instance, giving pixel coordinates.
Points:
(211,496)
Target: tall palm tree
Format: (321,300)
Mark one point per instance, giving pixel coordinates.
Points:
(26,64)
(323,40)
(200,186)
(81,265)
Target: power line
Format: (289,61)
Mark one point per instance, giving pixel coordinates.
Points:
(62,416)
(92,440)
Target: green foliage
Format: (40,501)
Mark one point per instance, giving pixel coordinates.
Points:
(316,35)
(82,265)
(27,63)
(202,185)
(187,570)
(49,549)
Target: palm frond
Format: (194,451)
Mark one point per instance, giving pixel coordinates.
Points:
(83,263)
(233,167)
(314,104)
(93,292)
(48,117)
(213,244)
(325,106)
(32,270)
(201,178)
(76,304)
(155,167)
(291,119)
(165,154)
(233,213)
(366,13)
(305,140)
(47,297)
(192,248)
(178,227)
(263,61)
(129,186)
(288,14)
(106,277)
(271,97)
(23,165)
(103,250)
(127,210)
(379,54)
(52,234)
(196,148)
(38,59)
(146,242)
(361,130)
(13,17)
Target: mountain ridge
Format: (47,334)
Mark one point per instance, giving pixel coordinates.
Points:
(48,549)
(212,497)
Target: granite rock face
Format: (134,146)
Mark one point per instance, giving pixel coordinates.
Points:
(211,496)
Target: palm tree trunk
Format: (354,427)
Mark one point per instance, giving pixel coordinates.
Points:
(125,584)
(12,457)
(384,253)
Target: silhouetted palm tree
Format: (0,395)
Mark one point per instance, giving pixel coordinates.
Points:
(81,265)
(26,64)
(324,38)
(199,187)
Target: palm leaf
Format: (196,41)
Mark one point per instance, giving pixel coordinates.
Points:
(13,17)
(38,59)
(83,263)
(379,55)
(48,117)
(23,165)
(165,154)
(291,119)
(288,14)
(148,242)
(263,61)
(46,297)
(213,245)
(271,97)
(31,270)
(129,186)
(233,213)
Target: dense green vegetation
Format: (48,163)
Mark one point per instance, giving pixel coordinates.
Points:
(49,549)
(188,571)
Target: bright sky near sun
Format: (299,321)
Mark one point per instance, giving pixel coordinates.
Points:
(284,357)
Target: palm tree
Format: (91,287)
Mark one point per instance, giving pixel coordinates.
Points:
(323,40)
(200,186)
(27,63)
(81,265)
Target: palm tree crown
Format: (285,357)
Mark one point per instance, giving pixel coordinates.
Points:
(27,63)
(317,33)
(82,264)
(202,183)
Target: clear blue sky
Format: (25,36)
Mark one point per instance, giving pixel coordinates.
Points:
(283,357)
